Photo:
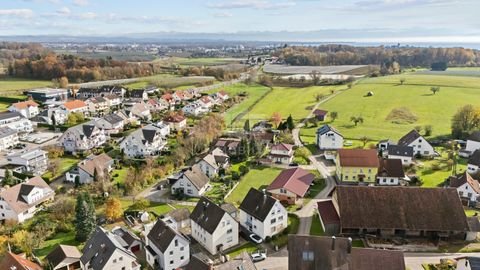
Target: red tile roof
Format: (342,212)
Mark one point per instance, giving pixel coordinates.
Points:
(13,261)
(318,112)
(296,180)
(282,147)
(74,104)
(328,213)
(176,118)
(358,158)
(24,104)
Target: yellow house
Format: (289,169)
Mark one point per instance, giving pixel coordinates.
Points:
(357,166)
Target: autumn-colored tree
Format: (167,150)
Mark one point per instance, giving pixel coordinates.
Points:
(53,166)
(63,82)
(113,210)
(276,118)
(24,240)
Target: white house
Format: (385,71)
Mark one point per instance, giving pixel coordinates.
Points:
(8,138)
(328,138)
(281,153)
(46,116)
(34,161)
(22,201)
(166,248)
(213,162)
(195,109)
(139,94)
(105,250)
(212,227)
(113,100)
(82,137)
(420,146)
(111,124)
(27,108)
(141,111)
(473,165)
(163,128)
(85,170)
(16,121)
(75,106)
(468,263)
(467,187)
(144,142)
(97,106)
(404,153)
(390,173)
(176,121)
(191,182)
(263,215)
(473,142)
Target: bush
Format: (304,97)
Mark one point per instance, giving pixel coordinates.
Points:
(243,170)
(235,176)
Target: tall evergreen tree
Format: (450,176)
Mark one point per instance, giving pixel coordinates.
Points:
(246,126)
(54,121)
(290,124)
(84,217)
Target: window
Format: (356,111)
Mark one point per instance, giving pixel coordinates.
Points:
(346,177)
(229,231)
(182,248)
(460,192)
(171,252)
(273,220)
(176,242)
(115,260)
(391,180)
(280,218)
(123,268)
(307,256)
(189,191)
(120,259)
(171,262)
(273,229)
(229,239)
(469,195)
(181,258)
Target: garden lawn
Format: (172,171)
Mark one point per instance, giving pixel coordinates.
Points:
(259,178)
(4,106)
(122,176)
(316,227)
(248,247)
(295,101)
(66,163)
(415,94)
(59,238)
(12,86)
(433,173)
(471,212)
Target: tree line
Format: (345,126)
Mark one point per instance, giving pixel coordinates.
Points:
(350,55)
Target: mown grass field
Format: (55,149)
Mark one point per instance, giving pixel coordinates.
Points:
(295,101)
(415,94)
(205,61)
(169,81)
(257,178)
(14,86)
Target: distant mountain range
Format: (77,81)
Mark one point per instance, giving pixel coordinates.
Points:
(375,37)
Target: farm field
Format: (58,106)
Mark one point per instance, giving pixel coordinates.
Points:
(254,93)
(257,178)
(211,61)
(285,69)
(295,101)
(455,71)
(13,86)
(388,94)
(169,81)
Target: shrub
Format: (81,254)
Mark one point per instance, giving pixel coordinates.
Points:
(402,115)
(243,170)
(235,176)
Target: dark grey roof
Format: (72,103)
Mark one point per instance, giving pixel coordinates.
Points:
(6,131)
(197,264)
(196,177)
(25,189)
(100,247)
(113,118)
(399,150)
(207,215)
(409,138)
(88,130)
(474,262)
(327,128)
(8,115)
(229,208)
(257,204)
(127,236)
(475,136)
(149,134)
(475,158)
(161,235)
(137,93)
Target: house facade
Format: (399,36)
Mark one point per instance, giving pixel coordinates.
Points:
(404,153)
(390,173)
(33,161)
(467,187)
(23,200)
(97,106)
(420,145)
(86,169)
(16,121)
(82,137)
(166,248)
(473,165)
(212,227)
(357,166)
(329,138)
(27,108)
(192,182)
(144,142)
(8,138)
(262,214)
(176,122)
(75,106)
(473,142)
(281,153)
(213,162)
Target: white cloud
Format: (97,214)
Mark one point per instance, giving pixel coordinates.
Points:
(223,14)
(64,11)
(87,16)
(80,2)
(24,13)
(255,4)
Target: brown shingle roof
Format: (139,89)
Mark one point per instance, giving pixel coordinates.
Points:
(319,112)
(63,254)
(282,147)
(327,212)
(74,104)
(407,208)
(176,118)
(99,162)
(24,104)
(358,158)
(13,261)
(328,254)
(13,194)
(196,177)
(296,180)
(391,168)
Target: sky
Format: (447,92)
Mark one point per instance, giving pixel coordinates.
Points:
(360,20)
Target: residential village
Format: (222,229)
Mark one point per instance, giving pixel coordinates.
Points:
(147,179)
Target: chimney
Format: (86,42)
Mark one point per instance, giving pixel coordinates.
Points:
(333,242)
(264,192)
(349,248)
